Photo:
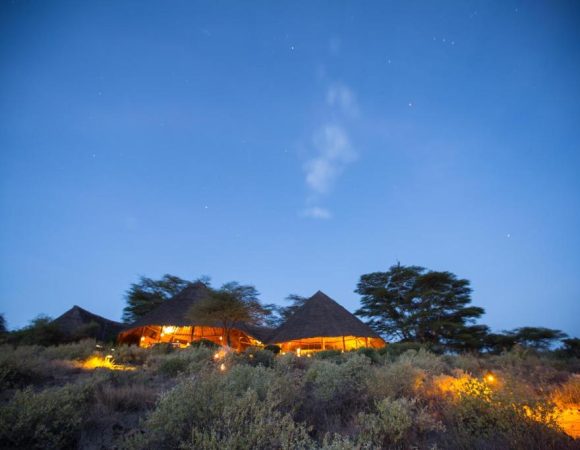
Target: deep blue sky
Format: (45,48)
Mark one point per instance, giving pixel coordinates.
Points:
(291,145)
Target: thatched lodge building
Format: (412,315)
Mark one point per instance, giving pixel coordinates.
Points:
(169,323)
(79,323)
(319,324)
(322,324)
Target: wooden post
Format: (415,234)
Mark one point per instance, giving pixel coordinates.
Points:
(192,333)
(343,345)
(366,341)
(323,344)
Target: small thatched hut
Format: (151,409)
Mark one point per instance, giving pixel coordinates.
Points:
(322,324)
(79,323)
(168,323)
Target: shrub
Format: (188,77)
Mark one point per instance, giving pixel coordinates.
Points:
(398,348)
(204,343)
(251,423)
(273,348)
(130,397)
(26,365)
(333,392)
(258,357)
(76,350)
(131,354)
(400,379)
(49,419)
(390,425)
(199,403)
(370,353)
(332,355)
(189,360)
(424,360)
(568,394)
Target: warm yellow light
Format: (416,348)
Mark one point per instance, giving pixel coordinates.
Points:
(490,378)
(168,330)
(222,367)
(298,352)
(221,338)
(142,338)
(97,361)
(309,355)
(251,356)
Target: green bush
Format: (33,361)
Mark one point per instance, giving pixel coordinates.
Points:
(49,419)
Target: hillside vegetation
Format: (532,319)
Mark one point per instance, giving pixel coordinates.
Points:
(83,396)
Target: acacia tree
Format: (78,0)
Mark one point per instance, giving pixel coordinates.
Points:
(231,304)
(410,303)
(147,294)
(279,314)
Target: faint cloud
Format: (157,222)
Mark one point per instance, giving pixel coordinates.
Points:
(317,213)
(333,150)
(334,153)
(342,98)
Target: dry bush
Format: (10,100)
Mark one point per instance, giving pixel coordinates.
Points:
(131,354)
(76,350)
(568,394)
(49,419)
(132,397)
(186,361)
(396,380)
(426,361)
(27,366)
(251,423)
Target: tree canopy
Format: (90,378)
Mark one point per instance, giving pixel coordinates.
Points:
(229,305)
(279,314)
(411,303)
(145,295)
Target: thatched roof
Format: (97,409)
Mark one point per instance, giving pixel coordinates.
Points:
(175,310)
(76,320)
(321,316)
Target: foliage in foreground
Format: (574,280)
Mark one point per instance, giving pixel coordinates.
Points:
(363,400)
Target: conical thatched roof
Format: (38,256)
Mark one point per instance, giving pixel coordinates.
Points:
(321,316)
(76,320)
(174,311)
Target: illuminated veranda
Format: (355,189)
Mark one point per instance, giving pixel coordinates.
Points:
(343,343)
(182,336)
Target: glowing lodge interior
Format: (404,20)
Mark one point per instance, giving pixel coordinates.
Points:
(316,344)
(182,336)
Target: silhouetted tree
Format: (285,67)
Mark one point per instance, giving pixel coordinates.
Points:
(147,294)
(571,347)
(410,303)
(3,327)
(229,305)
(41,331)
(279,314)
(538,338)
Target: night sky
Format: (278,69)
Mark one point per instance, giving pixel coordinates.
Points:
(290,145)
